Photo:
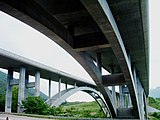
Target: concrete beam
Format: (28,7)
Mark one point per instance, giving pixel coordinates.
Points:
(8,102)
(30,85)
(93,48)
(113,80)
(90,39)
(14,81)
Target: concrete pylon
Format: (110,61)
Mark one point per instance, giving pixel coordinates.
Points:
(59,87)
(8,102)
(37,83)
(121,97)
(26,82)
(49,90)
(114,96)
(21,91)
(140,98)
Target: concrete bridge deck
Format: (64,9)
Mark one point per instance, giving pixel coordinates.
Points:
(10,60)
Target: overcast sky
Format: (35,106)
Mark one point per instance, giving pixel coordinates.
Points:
(25,41)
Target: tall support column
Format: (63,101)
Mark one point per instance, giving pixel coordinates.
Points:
(26,82)
(145,106)
(113,90)
(114,95)
(140,98)
(66,86)
(49,91)
(59,87)
(99,63)
(21,90)
(75,85)
(122,97)
(37,83)
(8,102)
(129,101)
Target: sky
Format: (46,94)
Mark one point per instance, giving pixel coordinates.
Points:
(21,39)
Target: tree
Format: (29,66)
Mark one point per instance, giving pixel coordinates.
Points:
(34,105)
(14,98)
(2,102)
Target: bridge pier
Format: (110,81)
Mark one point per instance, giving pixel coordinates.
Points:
(49,90)
(26,88)
(37,83)
(59,87)
(21,90)
(8,102)
(122,97)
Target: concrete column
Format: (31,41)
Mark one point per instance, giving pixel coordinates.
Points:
(114,96)
(122,97)
(135,77)
(37,83)
(8,102)
(129,101)
(75,85)
(145,106)
(49,92)
(66,86)
(21,88)
(99,63)
(59,87)
(26,89)
(140,98)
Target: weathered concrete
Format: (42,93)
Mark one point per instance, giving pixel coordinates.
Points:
(37,83)
(8,102)
(27,85)
(59,87)
(9,59)
(21,88)
(49,89)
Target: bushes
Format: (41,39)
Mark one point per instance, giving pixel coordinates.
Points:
(36,105)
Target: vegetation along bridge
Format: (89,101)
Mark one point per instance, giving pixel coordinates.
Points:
(112,33)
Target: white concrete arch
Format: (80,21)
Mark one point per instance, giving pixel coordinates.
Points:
(56,100)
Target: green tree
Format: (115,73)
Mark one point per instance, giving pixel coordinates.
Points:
(14,98)
(34,105)
(2,102)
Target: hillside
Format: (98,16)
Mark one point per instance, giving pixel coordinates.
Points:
(154,102)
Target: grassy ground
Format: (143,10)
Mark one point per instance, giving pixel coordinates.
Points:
(86,109)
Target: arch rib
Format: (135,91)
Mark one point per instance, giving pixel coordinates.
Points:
(56,101)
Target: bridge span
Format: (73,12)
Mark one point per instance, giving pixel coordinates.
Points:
(13,62)
(112,33)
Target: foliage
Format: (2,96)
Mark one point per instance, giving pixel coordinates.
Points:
(14,98)
(154,116)
(154,102)
(34,105)
(2,102)
(86,109)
